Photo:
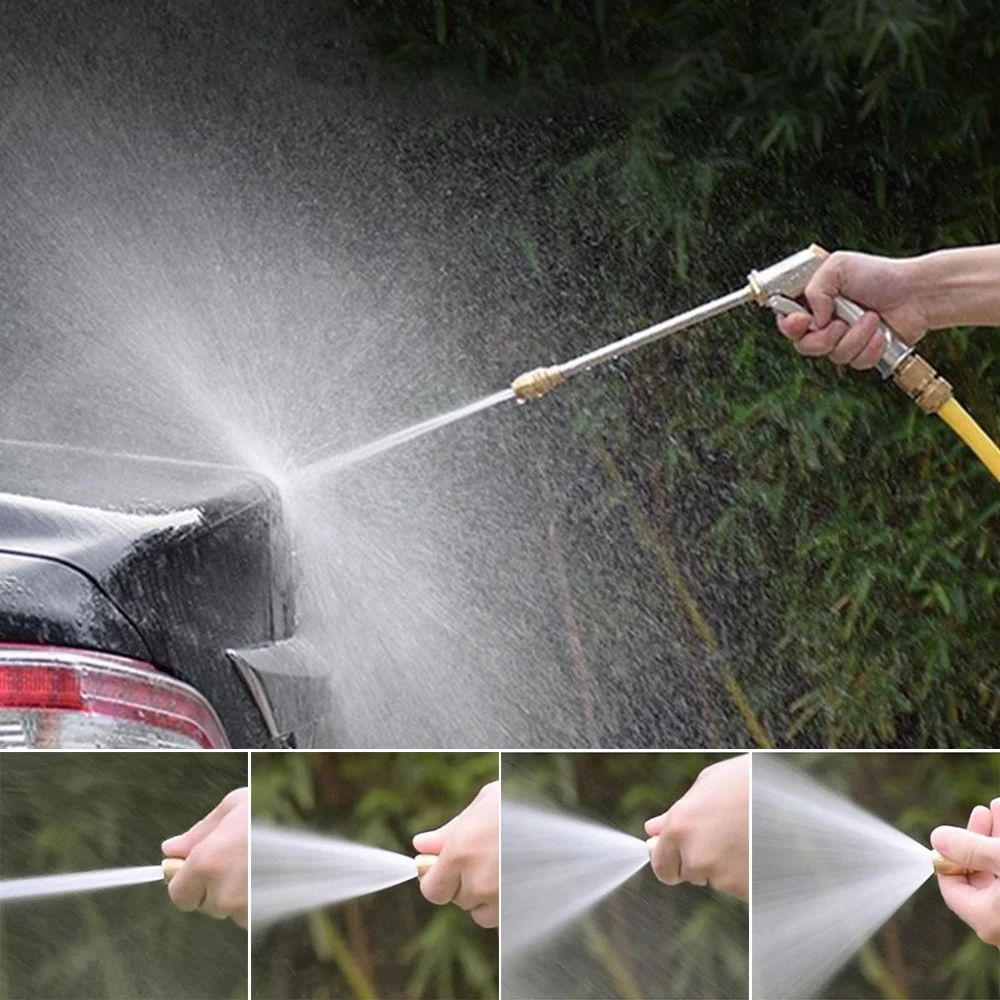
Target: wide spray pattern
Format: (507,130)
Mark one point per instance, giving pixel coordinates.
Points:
(826,876)
(556,867)
(294,871)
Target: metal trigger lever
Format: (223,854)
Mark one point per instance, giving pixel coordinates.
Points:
(785,306)
(896,350)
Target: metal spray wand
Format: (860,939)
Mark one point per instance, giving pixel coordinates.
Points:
(778,287)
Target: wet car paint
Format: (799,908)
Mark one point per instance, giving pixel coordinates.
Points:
(170,562)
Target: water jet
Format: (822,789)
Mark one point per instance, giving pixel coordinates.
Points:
(40,886)
(555,868)
(826,875)
(296,870)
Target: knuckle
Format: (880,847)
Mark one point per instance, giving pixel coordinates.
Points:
(206,862)
(461,847)
(181,898)
(661,872)
(678,825)
(433,892)
(698,863)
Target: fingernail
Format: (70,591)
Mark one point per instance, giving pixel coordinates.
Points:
(651,844)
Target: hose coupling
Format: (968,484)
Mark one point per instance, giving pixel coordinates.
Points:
(942,866)
(536,383)
(921,382)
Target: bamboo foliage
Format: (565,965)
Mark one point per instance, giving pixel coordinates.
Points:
(690,143)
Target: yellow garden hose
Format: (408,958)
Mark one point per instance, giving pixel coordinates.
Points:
(958,419)
(933,394)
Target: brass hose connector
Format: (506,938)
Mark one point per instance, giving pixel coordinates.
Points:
(424,863)
(942,866)
(537,382)
(921,382)
(171,866)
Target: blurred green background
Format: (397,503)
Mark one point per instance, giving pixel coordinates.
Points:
(924,950)
(391,943)
(645,940)
(823,551)
(69,812)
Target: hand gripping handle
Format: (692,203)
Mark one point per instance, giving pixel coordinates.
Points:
(896,350)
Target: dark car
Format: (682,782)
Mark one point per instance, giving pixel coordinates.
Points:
(128,586)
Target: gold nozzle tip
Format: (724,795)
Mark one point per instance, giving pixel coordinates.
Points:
(171,866)
(942,866)
(424,863)
(537,382)
(819,251)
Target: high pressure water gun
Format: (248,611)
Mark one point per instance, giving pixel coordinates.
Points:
(779,288)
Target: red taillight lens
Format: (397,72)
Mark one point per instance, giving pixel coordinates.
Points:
(40,687)
(54,697)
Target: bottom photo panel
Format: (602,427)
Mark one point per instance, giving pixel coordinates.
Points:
(112,868)
(625,875)
(876,875)
(375,875)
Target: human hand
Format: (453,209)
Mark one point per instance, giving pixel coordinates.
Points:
(704,838)
(213,878)
(974,898)
(886,287)
(467,871)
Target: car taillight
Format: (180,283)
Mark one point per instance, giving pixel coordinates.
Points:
(70,698)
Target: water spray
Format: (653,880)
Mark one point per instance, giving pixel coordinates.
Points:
(555,868)
(778,288)
(39,886)
(826,875)
(296,870)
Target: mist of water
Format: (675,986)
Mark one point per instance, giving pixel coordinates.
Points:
(318,471)
(555,868)
(826,876)
(263,266)
(59,885)
(295,871)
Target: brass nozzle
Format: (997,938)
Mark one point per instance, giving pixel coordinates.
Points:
(942,866)
(921,383)
(171,866)
(424,863)
(537,382)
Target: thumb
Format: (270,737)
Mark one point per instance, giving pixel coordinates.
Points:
(432,841)
(182,845)
(655,825)
(970,850)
